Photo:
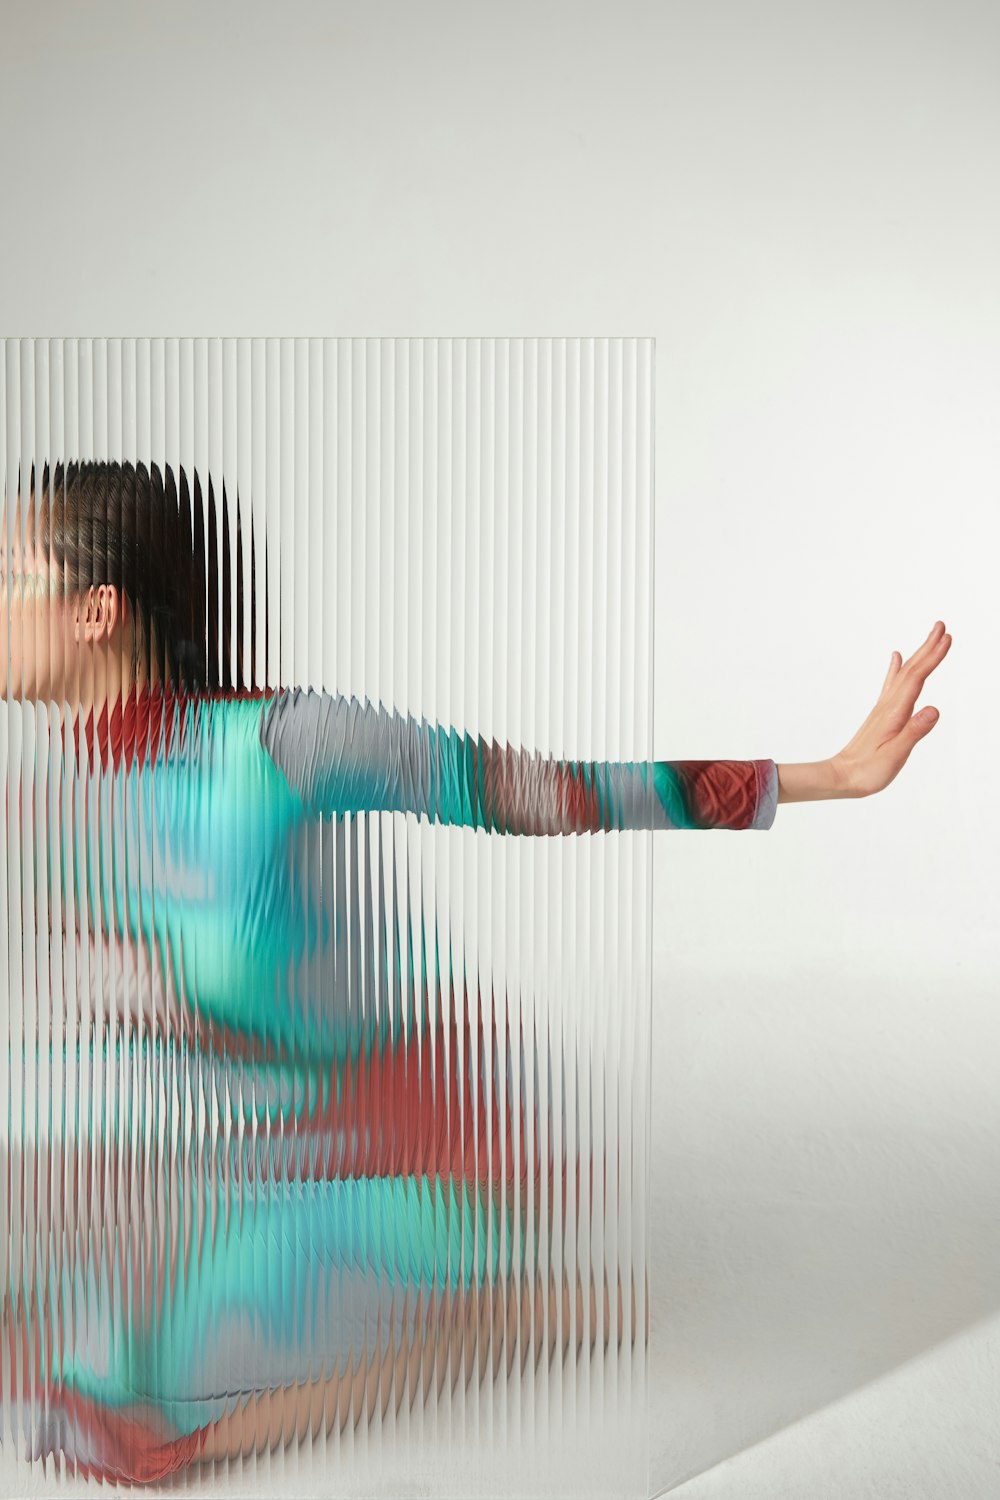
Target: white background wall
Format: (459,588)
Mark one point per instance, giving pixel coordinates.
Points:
(799,202)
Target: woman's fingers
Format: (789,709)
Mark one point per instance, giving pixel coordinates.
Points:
(894,663)
(923,661)
(936,629)
(927,656)
(923,722)
(914,672)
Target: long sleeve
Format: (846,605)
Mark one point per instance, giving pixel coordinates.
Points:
(343,756)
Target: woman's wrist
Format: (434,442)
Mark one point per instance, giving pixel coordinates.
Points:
(814,781)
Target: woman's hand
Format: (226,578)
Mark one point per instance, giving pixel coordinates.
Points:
(881,747)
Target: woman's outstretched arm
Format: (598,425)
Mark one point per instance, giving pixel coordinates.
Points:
(341,755)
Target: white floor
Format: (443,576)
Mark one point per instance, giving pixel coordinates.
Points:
(826,1297)
(928,1430)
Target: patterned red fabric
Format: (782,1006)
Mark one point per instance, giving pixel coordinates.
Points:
(720,793)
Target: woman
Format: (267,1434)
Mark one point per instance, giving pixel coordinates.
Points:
(225,946)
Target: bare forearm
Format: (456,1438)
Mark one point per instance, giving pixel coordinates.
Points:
(813,781)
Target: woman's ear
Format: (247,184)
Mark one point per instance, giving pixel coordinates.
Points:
(99,612)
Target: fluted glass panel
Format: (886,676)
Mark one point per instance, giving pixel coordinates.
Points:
(326,743)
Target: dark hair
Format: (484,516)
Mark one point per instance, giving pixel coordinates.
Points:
(126,525)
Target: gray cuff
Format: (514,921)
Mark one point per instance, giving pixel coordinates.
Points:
(767,793)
